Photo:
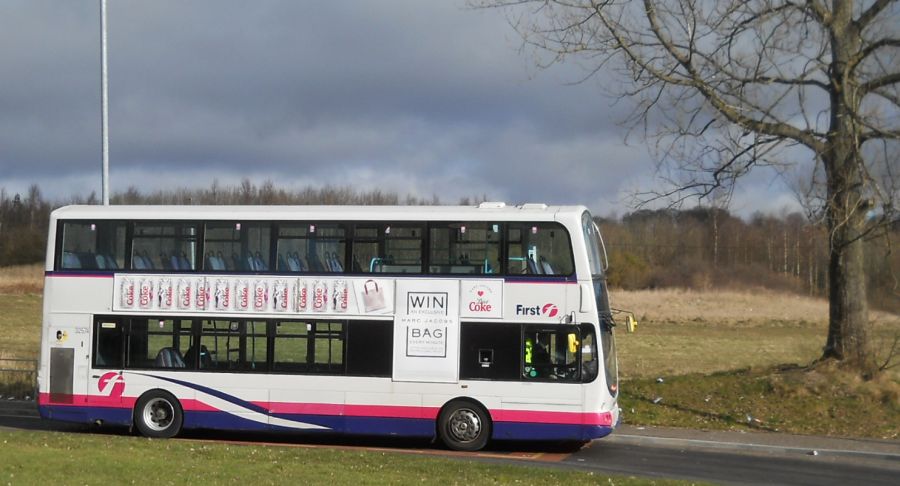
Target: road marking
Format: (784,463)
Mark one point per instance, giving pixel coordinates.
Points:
(739,446)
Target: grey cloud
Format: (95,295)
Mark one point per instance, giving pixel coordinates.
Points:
(417,97)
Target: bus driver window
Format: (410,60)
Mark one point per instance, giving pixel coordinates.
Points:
(549,354)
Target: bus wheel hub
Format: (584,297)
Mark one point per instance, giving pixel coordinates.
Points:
(465,425)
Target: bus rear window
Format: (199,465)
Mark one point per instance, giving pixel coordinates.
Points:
(92,245)
(539,249)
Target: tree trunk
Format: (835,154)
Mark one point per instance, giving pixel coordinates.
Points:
(848,320)
(848,326)
(846,207)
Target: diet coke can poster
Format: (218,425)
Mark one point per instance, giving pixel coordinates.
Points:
(222,293)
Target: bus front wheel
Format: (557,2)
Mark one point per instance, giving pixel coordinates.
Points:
(464,426)
(158,414)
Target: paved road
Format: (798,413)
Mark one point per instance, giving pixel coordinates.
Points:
(735,467)
(718,457)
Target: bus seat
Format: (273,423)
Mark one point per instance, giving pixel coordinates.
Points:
(101,262)
(532,266)
(545,265)
(261,264)
(235,261)
(137,263)
(87,260)
(70,260)
(462,269)
(294,263)
(205,358)
(338,266)
(375,265)
(183,262)
(169,358)
(487,268)
(111,263)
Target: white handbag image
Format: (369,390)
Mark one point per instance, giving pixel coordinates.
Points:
(373,296)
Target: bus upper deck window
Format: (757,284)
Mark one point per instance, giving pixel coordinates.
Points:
(539,249)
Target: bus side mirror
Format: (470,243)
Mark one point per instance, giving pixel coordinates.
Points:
(630,323)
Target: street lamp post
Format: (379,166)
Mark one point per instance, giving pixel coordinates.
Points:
(104,106)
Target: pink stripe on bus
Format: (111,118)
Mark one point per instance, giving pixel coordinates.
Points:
(529,416)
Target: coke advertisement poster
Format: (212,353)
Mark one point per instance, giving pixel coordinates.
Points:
(481,299)
(127,293)
(185,297)
(260,296)
(223,294)
(240,294)
(165,294)
(244,295)
(281,296)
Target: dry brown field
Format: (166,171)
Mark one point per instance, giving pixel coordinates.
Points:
(22,279)
(689,331)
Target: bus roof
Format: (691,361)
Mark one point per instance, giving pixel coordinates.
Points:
(483,212)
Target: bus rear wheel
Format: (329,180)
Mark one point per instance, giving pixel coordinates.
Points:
(464,426)
(158,414)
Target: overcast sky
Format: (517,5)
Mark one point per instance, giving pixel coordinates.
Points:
(417,97)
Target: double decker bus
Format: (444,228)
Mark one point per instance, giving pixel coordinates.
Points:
(464,324)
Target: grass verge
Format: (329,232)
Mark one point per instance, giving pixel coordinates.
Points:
(58,458)
(822,400)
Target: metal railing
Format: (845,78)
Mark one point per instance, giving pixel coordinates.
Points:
(18,379)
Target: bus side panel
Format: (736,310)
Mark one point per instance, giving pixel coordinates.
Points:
(65,355)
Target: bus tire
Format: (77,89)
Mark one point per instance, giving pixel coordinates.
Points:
(158,414)
(464,425)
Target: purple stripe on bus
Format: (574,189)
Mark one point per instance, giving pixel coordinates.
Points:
(80,274)
(401,427)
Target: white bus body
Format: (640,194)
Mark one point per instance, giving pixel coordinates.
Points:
(148,322)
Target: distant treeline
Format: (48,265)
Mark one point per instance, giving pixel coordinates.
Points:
(696,248)
(711,248)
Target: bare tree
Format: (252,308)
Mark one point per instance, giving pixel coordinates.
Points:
(724,87)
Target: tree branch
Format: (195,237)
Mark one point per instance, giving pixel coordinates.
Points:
(870,14)
(878,83)
(869,49)
(731,113)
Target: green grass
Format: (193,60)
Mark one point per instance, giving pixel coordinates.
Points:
(666,348)
(816,401)
(58,458)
